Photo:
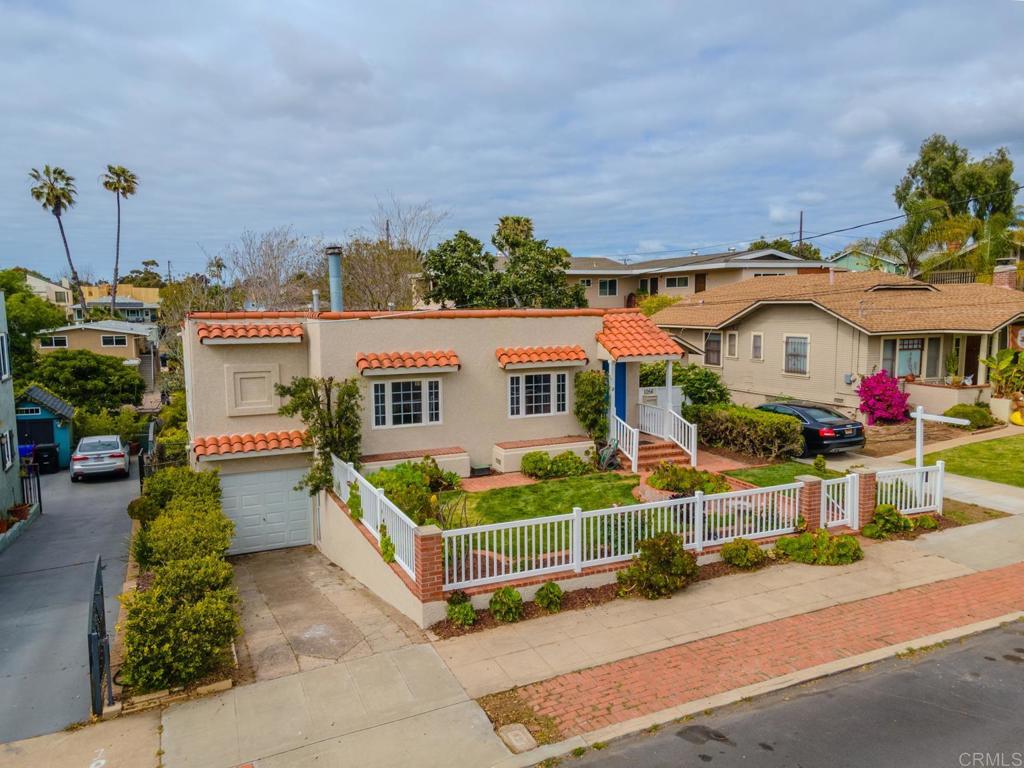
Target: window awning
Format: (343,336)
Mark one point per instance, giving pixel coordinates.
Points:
(397,363)
(512,358)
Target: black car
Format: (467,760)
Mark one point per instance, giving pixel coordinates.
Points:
(825,430)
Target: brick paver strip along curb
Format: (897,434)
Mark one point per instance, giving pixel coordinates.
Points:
(612,693)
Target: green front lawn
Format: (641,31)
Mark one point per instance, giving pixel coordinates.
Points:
(779,474)
(1001,461)
(550,497)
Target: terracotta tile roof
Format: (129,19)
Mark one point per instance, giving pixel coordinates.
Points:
(426,359)
(220,445)
(875,302)
(424,314)
(517,355)
(248,331)
(632,334)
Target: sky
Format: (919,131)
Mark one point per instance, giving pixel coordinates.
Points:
(620,128)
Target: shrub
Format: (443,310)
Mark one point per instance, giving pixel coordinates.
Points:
(820,548)
(887,521)
(506,605)
(355,502)
(536,464)
(141,550)
(438,479)
(747,430)
(387,546)
(172,444)
(461,614)
(189,528)
(169,641)
(743,553)
(179,482)
(820,465)
(591,403)
(651,305)
(881,399)
(686,480)
(701,385)
(143,509)
(175,413)
(549,597)
(457,597)
(189,580)
(412,486)
(979,417)
(926,522)
(540,465)
(660,568)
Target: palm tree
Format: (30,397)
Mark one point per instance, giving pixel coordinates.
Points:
(123,183)
(923,230)
(55,190)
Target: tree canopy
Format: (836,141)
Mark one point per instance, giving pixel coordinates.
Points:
(90,381)
(530,273)
(804,250)
(27,314)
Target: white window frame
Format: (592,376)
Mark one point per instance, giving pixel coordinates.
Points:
(5,357)
(113,340)
(424,403)
(60,297)
(757,335)
(608,286)
(586,282)
(28,410)
(807,356)
(52,344)
(721,350)
(734,337)
(553,382)
(6,451)
(769,274)
(677,281)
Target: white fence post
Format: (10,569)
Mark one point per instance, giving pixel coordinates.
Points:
(698,520)
(940,467)
(853,501)
(378,508)
(577,539)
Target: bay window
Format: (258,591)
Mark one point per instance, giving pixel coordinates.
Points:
(538,394)
(904,357)
(406,403)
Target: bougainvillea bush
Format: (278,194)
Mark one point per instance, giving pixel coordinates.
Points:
(881,398)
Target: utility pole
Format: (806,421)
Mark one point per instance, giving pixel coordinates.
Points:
(800,244)
(387,231)
(168,270)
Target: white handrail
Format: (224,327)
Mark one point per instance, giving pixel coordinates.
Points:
(682,433)
(628,439)
(651,419)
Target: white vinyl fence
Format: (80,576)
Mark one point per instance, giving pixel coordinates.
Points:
(488,554)
(378,511)
(840,503)
(668,425)
(917,489)
(628,439)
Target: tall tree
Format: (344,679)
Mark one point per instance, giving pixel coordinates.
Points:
(123,183)
(923,229)
(27,314)
(460,272)
(804,250)
(55,190)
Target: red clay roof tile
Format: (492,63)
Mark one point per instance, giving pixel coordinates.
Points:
(249,331)
(634,335)
(518,355)
(221,445)
(420,359)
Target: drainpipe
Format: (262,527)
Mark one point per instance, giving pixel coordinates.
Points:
(333,253)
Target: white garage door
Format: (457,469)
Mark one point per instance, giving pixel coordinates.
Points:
(268,512)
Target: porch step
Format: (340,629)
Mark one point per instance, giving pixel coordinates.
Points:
(654,451)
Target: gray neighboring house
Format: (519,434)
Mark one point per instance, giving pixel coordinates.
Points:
(10,465)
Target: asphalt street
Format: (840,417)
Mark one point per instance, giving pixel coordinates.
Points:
(957,705)
(45,587)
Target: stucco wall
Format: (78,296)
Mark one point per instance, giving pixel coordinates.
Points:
(10,480)
(91,340)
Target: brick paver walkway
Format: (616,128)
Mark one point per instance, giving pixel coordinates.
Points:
(612,693)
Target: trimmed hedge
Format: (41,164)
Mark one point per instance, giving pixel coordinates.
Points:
(540,465)
(979,417)
(178,482)
(188,528)
(747,430)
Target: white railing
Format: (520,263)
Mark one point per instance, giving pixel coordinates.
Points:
(917,489)
(682,433)
(839,502)
(488,554)
(651,419)
(378,511)
(628,439)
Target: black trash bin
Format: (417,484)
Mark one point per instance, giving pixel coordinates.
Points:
(47,458)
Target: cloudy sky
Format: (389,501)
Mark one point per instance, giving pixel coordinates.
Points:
(619,127)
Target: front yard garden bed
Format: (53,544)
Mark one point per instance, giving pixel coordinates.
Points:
(998,460)
(887,439)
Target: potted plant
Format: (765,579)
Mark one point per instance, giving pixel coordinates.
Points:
(952,366)
(1006,375)
(5,524)
(19,511)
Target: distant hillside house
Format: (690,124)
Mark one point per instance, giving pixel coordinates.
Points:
(814,337)
(45,289)
(117,338)
(129,310)
(611,283)
(857,259)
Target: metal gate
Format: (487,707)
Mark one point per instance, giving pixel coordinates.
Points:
(100,677)
(839,502)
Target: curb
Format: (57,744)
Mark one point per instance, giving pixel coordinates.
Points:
(664,716)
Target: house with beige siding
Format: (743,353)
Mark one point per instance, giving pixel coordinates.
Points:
(611,283)
(130,341)
(475,389)
(814,337)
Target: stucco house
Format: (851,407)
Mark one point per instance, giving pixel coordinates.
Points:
(10,478)
(857,259)
(611,283)
(105,337)
(55,293)
(475,389)
(813,337)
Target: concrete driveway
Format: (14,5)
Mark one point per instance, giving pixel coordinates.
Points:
(45,586)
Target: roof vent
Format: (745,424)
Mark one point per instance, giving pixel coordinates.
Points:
(693,252)
(732,249)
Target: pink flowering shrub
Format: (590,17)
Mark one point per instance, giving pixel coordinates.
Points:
(881,399)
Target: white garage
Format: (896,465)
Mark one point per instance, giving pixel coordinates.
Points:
(268,512)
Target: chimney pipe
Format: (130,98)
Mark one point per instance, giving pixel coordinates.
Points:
(831,276)
(333,253)
(316,300)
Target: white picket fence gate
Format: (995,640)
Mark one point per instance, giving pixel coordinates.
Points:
(488,554)
(840,502)
(912,490)
(378,511)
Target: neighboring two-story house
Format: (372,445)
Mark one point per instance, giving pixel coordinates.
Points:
(814,337)
(611,283)
(10,464)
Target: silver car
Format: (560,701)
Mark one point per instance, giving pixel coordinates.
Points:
(99,455)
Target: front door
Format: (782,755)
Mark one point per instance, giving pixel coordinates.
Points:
(972,350)
(653,283)
(620,388)
(700,282)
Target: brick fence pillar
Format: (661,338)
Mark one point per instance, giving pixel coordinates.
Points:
(868,493)
(429,563)
(810,501)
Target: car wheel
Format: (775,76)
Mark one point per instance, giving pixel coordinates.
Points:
(74,479)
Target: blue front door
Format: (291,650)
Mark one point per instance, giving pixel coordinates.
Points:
(620,389)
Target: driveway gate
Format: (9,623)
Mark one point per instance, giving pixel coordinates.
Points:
(100,678)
